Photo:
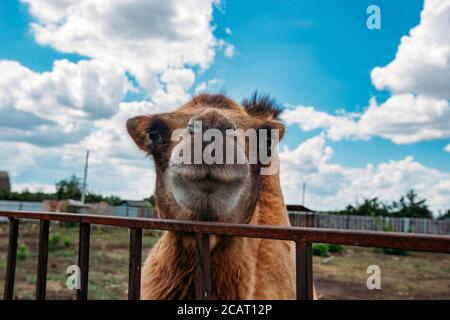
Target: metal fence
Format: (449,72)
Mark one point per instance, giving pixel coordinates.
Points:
(303,238)
(297,218)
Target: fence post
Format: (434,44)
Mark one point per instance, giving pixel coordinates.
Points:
(11,259)
(134,275)
(203,267)
(83,259)
(41,277)
(304,270)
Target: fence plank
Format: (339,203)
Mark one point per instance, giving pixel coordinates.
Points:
(83,259)
(203,267)
(401,224)
(134,273)
(41,277)
(11,259)
(304,271)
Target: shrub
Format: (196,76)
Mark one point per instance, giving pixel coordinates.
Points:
(67,242)
(335,248)
(320,249)
(397,252)
(54,242)
(23,252)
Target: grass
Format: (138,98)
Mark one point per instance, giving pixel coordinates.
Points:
(108,274)
(419,275)
(341,275)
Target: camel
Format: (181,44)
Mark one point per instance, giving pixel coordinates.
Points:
(241,268)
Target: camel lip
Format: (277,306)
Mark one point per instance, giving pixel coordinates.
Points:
(207,177)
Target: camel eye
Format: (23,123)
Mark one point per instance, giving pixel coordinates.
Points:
(153,136)
(156,132)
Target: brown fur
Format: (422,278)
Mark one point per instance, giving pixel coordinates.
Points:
(241,268)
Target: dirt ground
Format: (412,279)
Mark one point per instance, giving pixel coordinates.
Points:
(341,276)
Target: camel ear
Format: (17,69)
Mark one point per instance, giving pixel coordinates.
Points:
(137,128)
(275,125)
(281,128)
(261,106)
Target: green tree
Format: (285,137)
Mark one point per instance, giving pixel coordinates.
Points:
(445,215)
(113,200)
(369,207)
(65,189)
(411,206)
(151,200)
(372,207)
(68,189)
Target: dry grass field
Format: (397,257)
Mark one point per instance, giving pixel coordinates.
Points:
(414,276)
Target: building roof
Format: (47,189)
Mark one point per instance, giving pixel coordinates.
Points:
(4,174)
(5,184)
(136,203)
(298,207)
(77,204)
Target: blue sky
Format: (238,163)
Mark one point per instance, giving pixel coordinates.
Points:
(317,54)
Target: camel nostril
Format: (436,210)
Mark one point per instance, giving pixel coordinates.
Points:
(232,124)
(194,126)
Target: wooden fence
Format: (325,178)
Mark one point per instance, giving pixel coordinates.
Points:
(331,221)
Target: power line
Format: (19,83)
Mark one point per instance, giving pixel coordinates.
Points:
(83,194)
(303,193)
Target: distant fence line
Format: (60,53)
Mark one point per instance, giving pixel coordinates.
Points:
(21,205)
(298,219)
(350,222)
(121,211)
(124,211)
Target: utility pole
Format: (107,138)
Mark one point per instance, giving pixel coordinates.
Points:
(83,194)
(303,193)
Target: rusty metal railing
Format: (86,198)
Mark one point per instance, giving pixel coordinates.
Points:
(303,238)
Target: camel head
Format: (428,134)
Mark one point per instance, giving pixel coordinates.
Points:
(210,155)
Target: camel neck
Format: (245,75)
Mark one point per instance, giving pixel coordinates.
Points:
(271,203)
(176,272)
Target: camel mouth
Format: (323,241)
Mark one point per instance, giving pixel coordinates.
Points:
(209,192)
(209,176)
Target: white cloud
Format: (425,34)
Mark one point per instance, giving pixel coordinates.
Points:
(406,118)
(402,118)
(447,148)
(422,62)
(116,166)
(331,185)
(110,138)
(144,37)
(213,85)
(56,107)
(48,119)
(130,176)
(229,50)
(34,187)
(309,155)
(337,126)
(418,78)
